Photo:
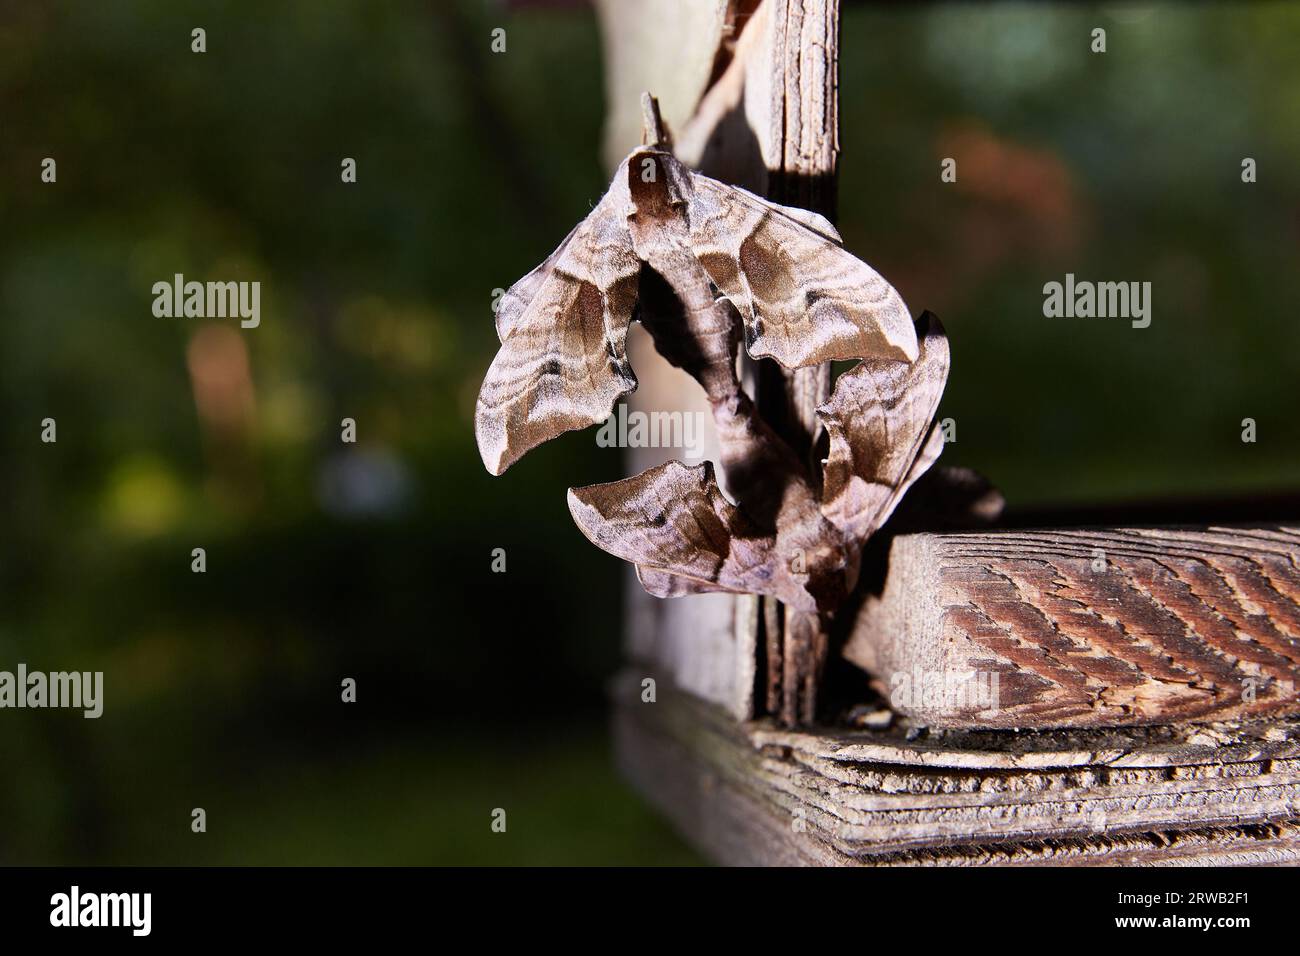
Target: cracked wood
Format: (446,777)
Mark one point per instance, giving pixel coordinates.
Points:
(756,794)
(1090,627)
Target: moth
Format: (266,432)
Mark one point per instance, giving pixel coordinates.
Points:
(709,268)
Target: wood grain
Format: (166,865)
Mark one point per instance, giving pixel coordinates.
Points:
(755,794)
(1089,627)
(804,67)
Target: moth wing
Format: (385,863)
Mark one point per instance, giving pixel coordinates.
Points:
(661,584)
(673,521)
(931,449)
(806,217)
(803,298)
(562,363)
(880,421)
(514,303)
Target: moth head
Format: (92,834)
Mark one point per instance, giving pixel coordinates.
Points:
(658,186)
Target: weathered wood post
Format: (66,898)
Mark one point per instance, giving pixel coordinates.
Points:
(803,62)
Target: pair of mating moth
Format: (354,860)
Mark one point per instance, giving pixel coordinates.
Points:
(699,263)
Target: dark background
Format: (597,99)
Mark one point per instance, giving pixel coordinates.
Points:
(479,690)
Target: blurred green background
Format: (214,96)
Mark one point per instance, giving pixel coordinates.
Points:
(480,690)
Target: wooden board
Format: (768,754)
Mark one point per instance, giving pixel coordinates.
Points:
(1087,627)
(755,794)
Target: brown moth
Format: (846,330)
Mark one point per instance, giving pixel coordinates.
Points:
(563,327)
(701,265)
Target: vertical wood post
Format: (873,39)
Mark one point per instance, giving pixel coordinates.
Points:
(804,132)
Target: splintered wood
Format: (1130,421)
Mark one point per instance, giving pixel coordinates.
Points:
(754,794)
(1086,627)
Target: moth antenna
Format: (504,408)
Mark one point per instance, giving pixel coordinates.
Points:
(653,131)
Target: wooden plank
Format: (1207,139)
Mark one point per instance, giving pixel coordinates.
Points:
(1086,627)
(755,794)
